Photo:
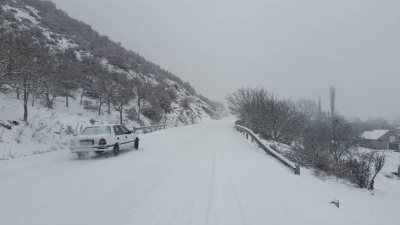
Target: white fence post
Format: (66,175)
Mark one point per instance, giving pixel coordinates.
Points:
(297,171)
(398,171)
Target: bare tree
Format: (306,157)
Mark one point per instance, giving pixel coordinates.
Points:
(379,162)
(343,137)
(67,71)
(143,93)
(26,66)
(264,113)
(123,94)
(102,83)
(308,108)
(86,75)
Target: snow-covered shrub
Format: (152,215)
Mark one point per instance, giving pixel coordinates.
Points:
(275,148)
(310,158)
(185,103)
(19,134)
(155,114)
(320,174)
(91,107)
(388,175)
(362,168)
(37,130)
(92,121)
(131,113)
(1,134)
(86,102)
(358,171)
(69,130)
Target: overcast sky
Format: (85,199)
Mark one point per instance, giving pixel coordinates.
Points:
(296,49)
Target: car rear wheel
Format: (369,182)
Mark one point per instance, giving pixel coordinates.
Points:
(115,150)
(136,146)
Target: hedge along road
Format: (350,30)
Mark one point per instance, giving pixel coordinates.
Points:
(200,174)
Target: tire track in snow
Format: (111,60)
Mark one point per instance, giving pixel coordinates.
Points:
(176,192)
(132,206)
(211,187)
(192,190)
(232,186)
(37,209)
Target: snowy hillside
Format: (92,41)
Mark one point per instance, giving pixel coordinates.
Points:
(202,174)
(68,74)
(50,129)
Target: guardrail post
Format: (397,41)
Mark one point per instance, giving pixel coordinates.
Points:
(297,170)
(134,130)
(247,136)
(398,171)
(156,128)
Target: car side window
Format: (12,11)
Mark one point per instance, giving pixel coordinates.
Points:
(117,130)
(124,130)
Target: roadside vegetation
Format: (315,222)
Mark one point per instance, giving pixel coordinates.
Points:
(322,140)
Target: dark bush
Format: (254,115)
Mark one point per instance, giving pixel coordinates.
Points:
(51,42)
(358,171)
(91,107)
(26,21)
(92,121)
(131,114)
(86,102)
(33,14)
(320,160)
(185,103)
(14,25)
(155,114)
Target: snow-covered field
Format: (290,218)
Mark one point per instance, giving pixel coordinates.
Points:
(202,174)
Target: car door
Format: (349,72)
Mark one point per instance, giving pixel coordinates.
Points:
(129,140)
(119,136)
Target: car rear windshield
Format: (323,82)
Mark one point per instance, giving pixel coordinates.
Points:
(97,130)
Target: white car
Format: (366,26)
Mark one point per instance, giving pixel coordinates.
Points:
(105,138)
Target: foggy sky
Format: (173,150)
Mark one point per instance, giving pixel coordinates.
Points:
(296,49)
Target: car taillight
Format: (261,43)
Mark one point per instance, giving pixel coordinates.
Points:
(71,143)
(102,141)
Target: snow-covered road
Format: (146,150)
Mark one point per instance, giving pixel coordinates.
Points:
(201,174)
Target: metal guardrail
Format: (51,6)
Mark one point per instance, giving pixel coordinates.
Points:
(267,149)
(149,127)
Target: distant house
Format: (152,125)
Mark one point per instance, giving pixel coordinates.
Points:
(381,139)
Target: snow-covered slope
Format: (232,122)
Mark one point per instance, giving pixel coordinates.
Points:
(50,129)
(202,174)
(17,15)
